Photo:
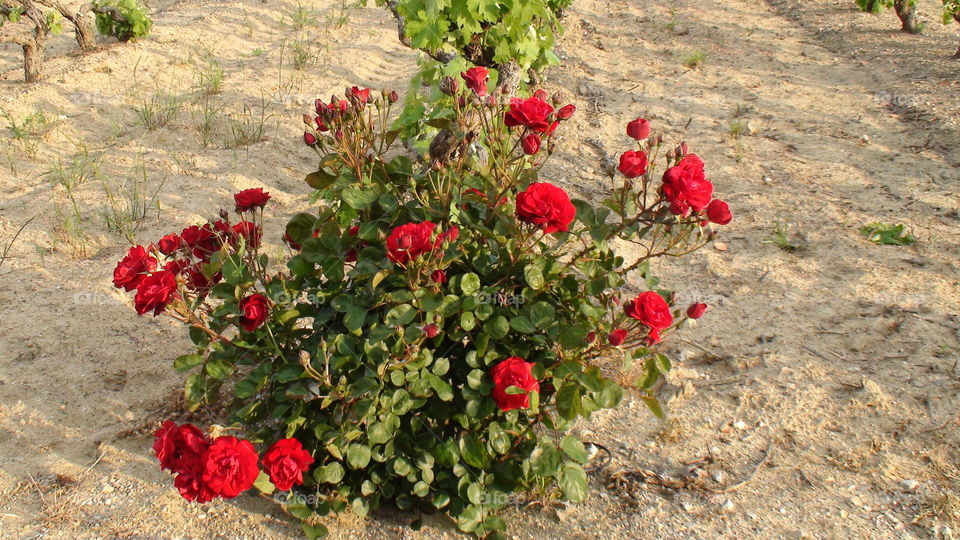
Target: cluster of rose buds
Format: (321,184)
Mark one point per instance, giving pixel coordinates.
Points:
(187,256)
(329,116)
(226,466)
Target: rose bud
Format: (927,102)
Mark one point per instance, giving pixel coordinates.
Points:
(321,125)
(306,119)
(591,337)
(695,311)
(394,96)
(449,85)
(639,129)
(617,337)
(540,94)
(719,212)
(431,330)
(531,144)
(438,276)
(309,138)
(684,150)
(566,112)
(338,135)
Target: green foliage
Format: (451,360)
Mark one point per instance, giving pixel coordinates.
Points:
(887,234)
(951,10)
(134,21)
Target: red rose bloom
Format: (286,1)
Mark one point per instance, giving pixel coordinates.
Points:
(547,206)
(566,112)
(285,462)
(155,292)
(438,276)
(476,79)
(168,244)
(639,129)
(633,163)
(407,242)
(133,269)
(255,309)
(617,337)
(695,311)
(198,281)
(252,198)
(686,187)
(531,112)
(531,144)
(719,212)
(177,266)
(189,482)
(229,466)
(513,371)
(178,447)
(362,94)
(651,309)
(250,232)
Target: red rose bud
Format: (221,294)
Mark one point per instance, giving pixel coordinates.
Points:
(438,276)
(540,94)
(684,150)
(320,106)
(254,309)
(566,112)
(476,79)
(591,337)
(449,85)
(321,126)
(431,330)
(531,144)
(617,337)
(394,96)
(309,138)
(653,337)
(633,164)
(307,119)
(695,311)
(719,212)
(639,129)
(285,462)
(363,95)
(338,135)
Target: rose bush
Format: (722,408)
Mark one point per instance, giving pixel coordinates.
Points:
(436,331)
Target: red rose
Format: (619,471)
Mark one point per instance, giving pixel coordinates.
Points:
(230,466)
(651,309)
(449,235)
(198,281)
(168,244)
(203,240)
(531,144)
(250,232)
(252,198)
(686,187)
(309,139)
(695,311)
(547,206)
(653,337)
(133,269)
(513,371)
(633,163)
(361,94)
(540,93)
(407,242)
(177,266)
(431,330)
(639,129)
(438,276)
(719,212)
(591,337)
(191,486)
(178,447)
(476,79)
(255,309)
(285,462)
(617,337)
(531,112)
(155,292)
(566,112)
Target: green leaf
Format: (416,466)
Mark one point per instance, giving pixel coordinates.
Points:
(359,198)
(329,474)
(218,369)
(497,327)
(568,401)
(573,482)
(470,284)
(400,315)
(654,405)
(534,276)
(264,484)
(473,451)
(542,314)
(358,456)
(187,362)
(574,449)
(314,531)
(522,324)
(545,461)
(320,179)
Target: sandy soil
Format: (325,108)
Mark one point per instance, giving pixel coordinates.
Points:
(826,378)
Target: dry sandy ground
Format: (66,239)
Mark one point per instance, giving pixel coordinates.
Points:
(827,378)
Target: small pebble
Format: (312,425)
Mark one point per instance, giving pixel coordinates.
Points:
(909,485)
